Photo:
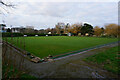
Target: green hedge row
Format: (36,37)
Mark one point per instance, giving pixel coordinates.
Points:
(29,34)
(11,34)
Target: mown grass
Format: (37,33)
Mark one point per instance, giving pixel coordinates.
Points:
(55,45)
(109,59)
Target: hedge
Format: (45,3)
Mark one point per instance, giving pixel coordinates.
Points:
(29,34)
(11,34)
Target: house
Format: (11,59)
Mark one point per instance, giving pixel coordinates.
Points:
(2,28)
(49,32)
(17,29)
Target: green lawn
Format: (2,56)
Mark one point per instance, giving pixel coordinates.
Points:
(109,59)
(55,45)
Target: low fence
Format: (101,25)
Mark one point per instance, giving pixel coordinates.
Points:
(25,53)
(18,50)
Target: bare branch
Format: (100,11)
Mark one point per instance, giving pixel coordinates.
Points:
(7,5)
(4,6)
(4,9)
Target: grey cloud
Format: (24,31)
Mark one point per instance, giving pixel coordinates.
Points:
(44,15)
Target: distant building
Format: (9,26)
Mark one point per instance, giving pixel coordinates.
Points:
(2,28)
(17,29)
(49,32)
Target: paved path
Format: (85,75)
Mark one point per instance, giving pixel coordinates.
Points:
(69,67)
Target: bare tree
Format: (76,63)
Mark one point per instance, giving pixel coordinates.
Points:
(4,5)
(60,27)
(29,29)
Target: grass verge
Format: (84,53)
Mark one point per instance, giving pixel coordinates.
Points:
(109,59)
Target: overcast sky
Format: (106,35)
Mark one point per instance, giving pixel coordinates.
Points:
(46,14)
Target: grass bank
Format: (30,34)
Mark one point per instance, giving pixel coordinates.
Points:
(108,59)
